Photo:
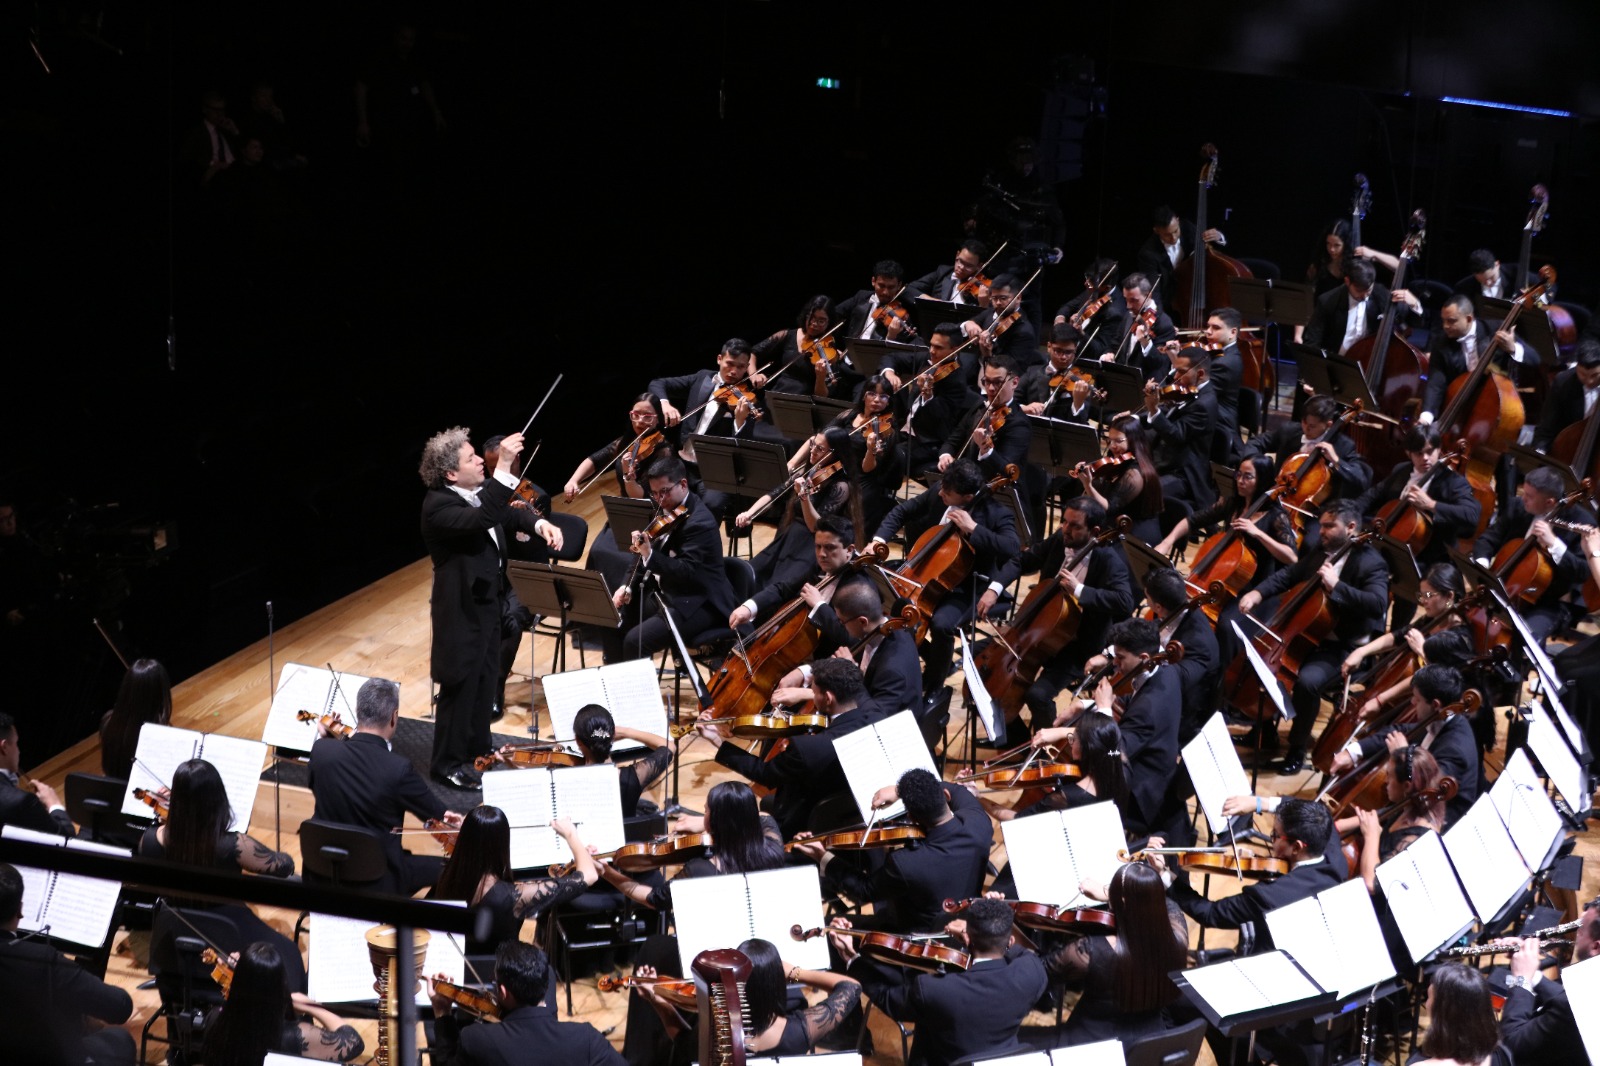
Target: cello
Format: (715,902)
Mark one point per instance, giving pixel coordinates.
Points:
(1578,446)
(1394,369)
(1522,564)
(1305,477)
(1366,784)
(1403,523)
(1226,563)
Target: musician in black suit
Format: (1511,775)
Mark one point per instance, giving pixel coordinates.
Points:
(1171,241)
(1456,349)
(1346,315)
(1530,516)
(41,809)
(962,499)
(1182,429)
(1104,327)
(1099,582)
(45,996)
(702,415)
(1573,395)
(1489,277)
(857,311)
(1147,348)
(854,619)
(1349,473)
(807,771)
(1357,587)
(463,516)
(943,282)
(359,781)
(1070,402)
(1201,667)
(961,1013)
(994,450)
(1537,1024)
(932,407)
(1018,340)
(528,1031)
(1226,377)
(833,545)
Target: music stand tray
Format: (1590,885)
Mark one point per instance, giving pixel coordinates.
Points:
(868,356)
(1405,575)
(740,467)
(1058,446)
(1529,460)
(1532,330)
(1124,385)
(799,417)
(1142,559)
(1226,480)
(627,516)
(930,313)
(1287,303)
(575,596)
(1336,376)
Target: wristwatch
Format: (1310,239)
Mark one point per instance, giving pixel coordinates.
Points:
(1518,981)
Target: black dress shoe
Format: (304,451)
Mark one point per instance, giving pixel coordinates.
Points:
(464,779)
(1293,762)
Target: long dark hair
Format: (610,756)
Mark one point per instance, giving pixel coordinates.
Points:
(734,822)
(198,816)
(1462,1026)
(1340,228)
(482,847)
(1139,447)
(257,1014)
(595,730)
(827,501)
(766,992)
(1100,758)
(145,696)
(1147,950)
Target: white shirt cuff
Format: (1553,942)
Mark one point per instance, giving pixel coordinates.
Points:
(506,477)
(996,588)
(749,605)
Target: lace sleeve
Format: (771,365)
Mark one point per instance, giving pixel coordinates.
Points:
(1069,963)
(648,770)
(534,897)
(257,858)
(821,1020)
(330,1045)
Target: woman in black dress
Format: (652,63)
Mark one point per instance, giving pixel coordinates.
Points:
(874,428)
(1095,747)
(1270,535)
(595,731)
(479,871)
(792,370)
(1130,487)
(1413,772)
(262,1015)
(145,696)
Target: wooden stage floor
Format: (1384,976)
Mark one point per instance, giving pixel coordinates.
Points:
(383,631)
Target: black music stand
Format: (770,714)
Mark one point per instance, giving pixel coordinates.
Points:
(1249,1022)
(1529,460)
(1124,385)
(869,356)
(1058,446)
(1142,559)
(1404,573)
(1338,377)
(1272,303)
(1226,479)
(576,597)
(686,665)
(1533,330)
(931,313)
(627,516)
(799,417)
(740,467)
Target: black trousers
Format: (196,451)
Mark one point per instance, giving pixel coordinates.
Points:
(461,726)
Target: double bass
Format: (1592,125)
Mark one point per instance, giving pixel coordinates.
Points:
(1393,367)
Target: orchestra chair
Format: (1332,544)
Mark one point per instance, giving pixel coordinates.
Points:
(95,803)
(574,541)
(183,979)
(352,855)
(933,719)
(710,647)
(1175,1047)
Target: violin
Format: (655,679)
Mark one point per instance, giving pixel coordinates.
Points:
(331,722)
(1094,467)
(648,854)
(662,523)
(1043,774)
(891,312)
(445,834)
(481,1003)
(772,726)
(889,835)
(822,353)
(154,801)
(526,758)
(639,452)
(897,950)
(221,969)
(877,430)
(975,287)
(1215,861)
(733,395)
(1089,310)
(1049,917)
(1175,396)
(678,991)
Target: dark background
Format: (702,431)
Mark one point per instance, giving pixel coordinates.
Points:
(618,190)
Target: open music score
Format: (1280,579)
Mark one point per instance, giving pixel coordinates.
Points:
(1214,768)
(589,796)
(75,908)
(163,748)
(1424,896)
(309,688)
(714,912)
(630,691)
(876,755)
(1335,936)
(1052,853)
(340,970)
(1100,1053)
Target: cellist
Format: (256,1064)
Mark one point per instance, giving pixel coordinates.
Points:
(1349,474)
(1573,396)
(1357,589)
(1462,338)
(1531,515)
(853,618)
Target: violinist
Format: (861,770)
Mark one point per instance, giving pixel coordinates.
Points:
(825,484)
(1182,428)
(261,1016)
(479,873)
(1436,491)
(1201,666)
(854,619)
(909,887)
(1148,346)
(628,455)
(1413,786)
(1345,316)
(961,1013)
(1357,588)
(1100,583)
(831,547)
(1449,739)
(684,564)
(38,808)
(861,312)
(1129,485)
(961,498)
(1124,977)
(807,770)
(527,1028)
(1531,516)
(595,731)
(873,427)
(1104,325)
(935,406)
(1171,241)
(1002,327)
(1440,591)
(958,284)
(1148,720)
(1348,472)
(1094,746)
(716,403)
(1269,535)
(1049,391)
(991,432)
(802,356)
(1226,374)
(1460,342)
(1572,398)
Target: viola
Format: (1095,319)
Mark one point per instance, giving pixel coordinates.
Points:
(1073,376)
(641,855)
(526,758)
(639,452)
(154,801)
(975,287)
(331,722)
(446,835)
(889,835)
(896,950)
(662,523)
(679,991)
(1048,916)
(221,969)
(1103,463)
(1176,396)
(887,314)
(772,726)
(1088,311)
(877,430)
(480,1003)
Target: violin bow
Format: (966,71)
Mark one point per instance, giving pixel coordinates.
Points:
(542,402)
(615,459)
(1133,326)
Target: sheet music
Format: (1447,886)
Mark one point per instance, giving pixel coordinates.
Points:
(1582,982)
(978,697)
(1424,896)
(76,908)
(840,1058)
(1100,1053)
(1265,675)
(630,691)
(1239,986)
(1214,767)
(163,748)
(340,968)
(1556,759)
(1051,853)
(876,755)
(308,688)
(1524,807)
(1335,937)
(589,796)
(724,912)
(275,1059)
(1485,858)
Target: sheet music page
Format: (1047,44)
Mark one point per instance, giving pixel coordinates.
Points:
(1485,859)
(977,695)
(591,798)
(1214,767)
(275,1059)
(308,688)
(35,882)
(527,799)
(1582,982)
(1239,986)
(1033,1058)
(340,968)
(1051,853)
(160,751)
(839,1058)
(1557,761)
(1271,687)
(238,761)
(81,909)
(723,912)
(876,755)
(1335,937)
(630,691)
(1524,807)
(1424,896)
(1100,1053)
